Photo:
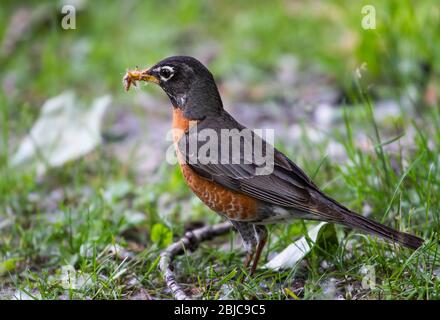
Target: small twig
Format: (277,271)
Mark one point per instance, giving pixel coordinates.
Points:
(191,241)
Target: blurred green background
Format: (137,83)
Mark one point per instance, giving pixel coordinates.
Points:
(235,37)
(276,62)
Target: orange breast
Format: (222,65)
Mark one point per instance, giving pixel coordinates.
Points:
(234,205)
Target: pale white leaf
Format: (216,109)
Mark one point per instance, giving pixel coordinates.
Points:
(65,130)
(295,252)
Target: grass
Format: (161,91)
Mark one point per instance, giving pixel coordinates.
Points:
(91,230)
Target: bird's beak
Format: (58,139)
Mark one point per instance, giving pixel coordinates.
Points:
(138,75)
(148,77)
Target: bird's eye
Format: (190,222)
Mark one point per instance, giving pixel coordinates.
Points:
(166,73)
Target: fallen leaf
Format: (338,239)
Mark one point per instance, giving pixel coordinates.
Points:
(26,294)
(73,279)
(64,131)
(294,253)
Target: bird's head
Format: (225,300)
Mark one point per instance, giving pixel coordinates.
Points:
(187,82)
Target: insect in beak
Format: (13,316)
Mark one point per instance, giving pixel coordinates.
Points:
(132,76)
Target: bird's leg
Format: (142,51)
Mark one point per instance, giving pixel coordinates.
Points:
(261,233)
(248,234)
(248,259)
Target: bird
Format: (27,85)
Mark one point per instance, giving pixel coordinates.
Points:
(243,191)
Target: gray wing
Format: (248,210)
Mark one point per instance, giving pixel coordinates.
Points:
(285,185)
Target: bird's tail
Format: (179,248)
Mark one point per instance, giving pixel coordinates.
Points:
(357,221)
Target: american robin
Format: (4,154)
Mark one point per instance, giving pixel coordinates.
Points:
(239,190)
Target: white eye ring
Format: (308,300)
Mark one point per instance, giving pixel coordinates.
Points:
(170,72)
